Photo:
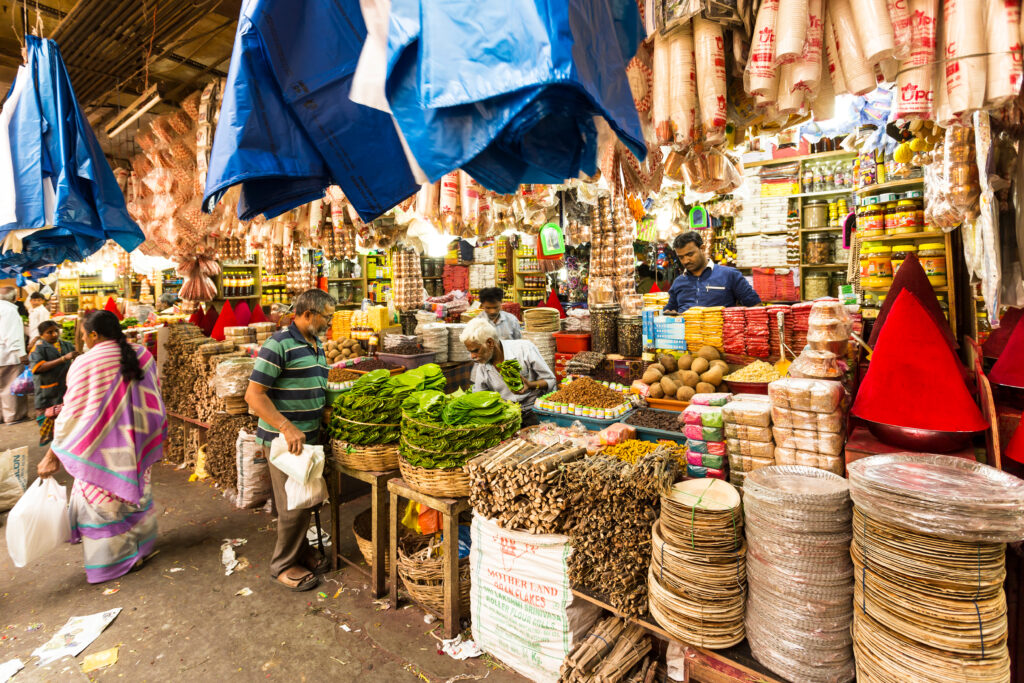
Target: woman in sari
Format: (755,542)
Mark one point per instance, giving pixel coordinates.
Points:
(107,436)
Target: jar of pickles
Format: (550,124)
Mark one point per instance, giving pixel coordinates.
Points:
(889,203)
(819,249)
(933,260)
(879,274)
(870,218)
(909,214)
(899,255)
(815,213)
(866,249)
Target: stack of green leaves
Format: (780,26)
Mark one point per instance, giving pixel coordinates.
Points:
(369,413)
(440,431)
(512,374)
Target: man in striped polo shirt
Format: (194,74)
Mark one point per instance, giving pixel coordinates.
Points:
(288,391)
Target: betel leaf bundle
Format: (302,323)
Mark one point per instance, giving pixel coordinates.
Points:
(440,431)
(370,412)
(512,374)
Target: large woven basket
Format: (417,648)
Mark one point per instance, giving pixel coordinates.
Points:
(362,530)
(421,569)
(448,483)
(375,458)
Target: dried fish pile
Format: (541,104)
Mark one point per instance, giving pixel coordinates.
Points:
(220,446)
(614,505)
(520,485)
(612,651)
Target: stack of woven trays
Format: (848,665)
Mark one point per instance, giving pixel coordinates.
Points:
(929,552)
(800,599)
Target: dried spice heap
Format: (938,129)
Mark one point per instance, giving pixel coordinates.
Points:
(220,446)
(586,392)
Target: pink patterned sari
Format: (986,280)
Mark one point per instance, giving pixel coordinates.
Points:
(108,435)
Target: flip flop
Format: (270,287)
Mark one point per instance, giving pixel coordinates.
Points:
(142,561)
(322,567)
(306,583)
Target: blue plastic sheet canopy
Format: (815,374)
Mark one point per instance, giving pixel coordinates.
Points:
(67,203)
(508,90)
(287,129)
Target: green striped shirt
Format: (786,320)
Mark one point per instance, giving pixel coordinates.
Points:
(295,373)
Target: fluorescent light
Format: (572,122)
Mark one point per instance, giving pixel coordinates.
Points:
(133,111)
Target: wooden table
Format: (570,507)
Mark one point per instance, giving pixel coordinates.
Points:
(449,509)
(378,499)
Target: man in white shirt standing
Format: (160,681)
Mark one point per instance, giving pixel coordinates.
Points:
(481,340)
(12,357)
(504,322)
(37,313)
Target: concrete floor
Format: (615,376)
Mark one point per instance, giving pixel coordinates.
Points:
(191,623)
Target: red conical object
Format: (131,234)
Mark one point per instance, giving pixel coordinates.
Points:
(111,306)
(554,303)
(242,314)
(197,317)
(1009,369)
(257,315)
(913,379)
(911,276)
(655,288)
(1000,337)
(225,319)
(209,319)
(1015,449)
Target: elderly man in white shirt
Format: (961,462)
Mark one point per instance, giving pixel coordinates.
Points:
(481,340)
(12,357)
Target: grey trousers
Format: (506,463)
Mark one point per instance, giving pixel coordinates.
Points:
(14,408)
(291,548)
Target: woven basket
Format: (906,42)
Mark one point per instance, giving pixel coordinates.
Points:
(422,574)
(376,458)
(449,483)
(361,529)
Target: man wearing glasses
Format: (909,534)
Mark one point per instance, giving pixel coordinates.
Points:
(288,392)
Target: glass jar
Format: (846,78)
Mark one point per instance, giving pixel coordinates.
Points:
(984,328)
(870,219)
(815,214)
(837,280)
(889,203)
(631,336)
(865,260)
(816,286)
(943,304)
(879,268)
(819,249)
(899,255)
(604,334)
(839,251)
(933,260)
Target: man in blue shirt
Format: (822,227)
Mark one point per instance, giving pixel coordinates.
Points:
(703,283)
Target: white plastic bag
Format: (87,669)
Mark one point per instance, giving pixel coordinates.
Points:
(39,522)
(305,486)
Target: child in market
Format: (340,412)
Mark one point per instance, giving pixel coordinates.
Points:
(50,359)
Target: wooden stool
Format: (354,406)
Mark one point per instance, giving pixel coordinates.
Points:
(449,509)
(378,499)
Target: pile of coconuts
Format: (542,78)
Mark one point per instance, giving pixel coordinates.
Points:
(680,377)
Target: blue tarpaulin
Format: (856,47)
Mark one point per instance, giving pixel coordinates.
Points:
(287,128)
(507,91)
(53,144)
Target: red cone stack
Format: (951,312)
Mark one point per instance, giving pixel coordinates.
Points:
(734,330)
(242,314)
(257,315)
(209,320)
(1009,369)
(225,319)
(758,336)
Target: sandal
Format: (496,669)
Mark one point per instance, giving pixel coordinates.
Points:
(142,561)
(306,583)
(322,566)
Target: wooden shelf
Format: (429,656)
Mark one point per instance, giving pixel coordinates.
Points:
(823,266)
(233,298)
(943,289)
(937,236)
(818,229)
(820,156)
(891,185)
(344,279)
(826,193)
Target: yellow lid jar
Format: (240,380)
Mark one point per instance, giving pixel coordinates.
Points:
(899,254)
(879,267)
(933,260)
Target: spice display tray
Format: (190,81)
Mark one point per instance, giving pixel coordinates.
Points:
(566,420)
(652,434)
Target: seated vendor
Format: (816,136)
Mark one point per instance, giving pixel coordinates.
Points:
(481,340)
(504,322)
(703,283)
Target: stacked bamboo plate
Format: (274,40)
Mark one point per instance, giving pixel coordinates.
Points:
(697,581)
(929,565)
(799,606)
